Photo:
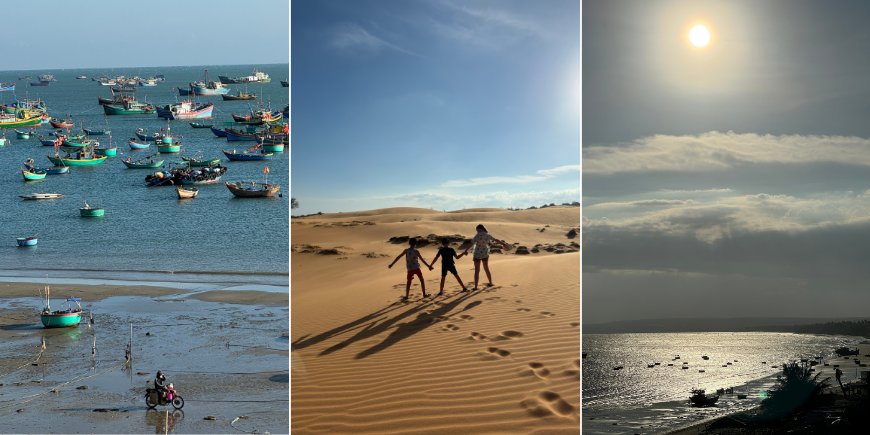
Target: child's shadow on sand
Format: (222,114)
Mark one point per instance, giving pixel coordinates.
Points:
(402,330)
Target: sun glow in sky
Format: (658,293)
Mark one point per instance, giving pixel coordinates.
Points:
(699,36)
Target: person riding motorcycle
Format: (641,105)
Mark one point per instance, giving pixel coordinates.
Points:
(160,384)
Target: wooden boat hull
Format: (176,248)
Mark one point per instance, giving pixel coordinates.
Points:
(205,112)
(92,212)
(26,241)
(61,124)
(191,162)
(275,148)
(198,125)
(232,156)
(36,196)
(22,122)
(239,191)
(31,176)
(134,165)
(199,90)
(106,151)
(113,110)
(218,132)
(61,320)
(189,181)
(168,148)
(57,170)
(59,161)
(232,135)
(186,193)
(138,146)
(238,98)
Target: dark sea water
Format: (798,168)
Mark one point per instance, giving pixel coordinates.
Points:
(653,400)
(147,233)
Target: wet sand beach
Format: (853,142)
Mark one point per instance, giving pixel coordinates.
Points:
(225,351)
(502,359)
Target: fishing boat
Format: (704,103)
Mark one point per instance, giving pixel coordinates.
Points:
(105,151)
(249,154)
(3,138)
(25,78)
(219,132)
(96,131)
(64,123)
(255,77)
(147,82)
(77,141)
(24,134)
(129,107)
(178,176)
(241,96)
(207,87)
(251,189)
(43,83)
(239,135)
(64,317)
(124,89)
(47,78)
(259,115)
(82,78)
(194,124)
(115,100)
(36,196)
(55,170)
(187,110)
(137,145)
(141,163)
(142,134)
(82,157)
(11,121)
(700,398)
(88,211)
(27,241)
(843,351)
(34,174)
(7,87)
(193,161)
(285,83)
(186,193)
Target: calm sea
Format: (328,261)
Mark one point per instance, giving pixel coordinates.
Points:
(647,400)
(147,233)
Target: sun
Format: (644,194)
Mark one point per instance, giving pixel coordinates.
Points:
(699,36)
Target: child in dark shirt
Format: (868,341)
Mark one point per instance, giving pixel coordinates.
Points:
(447,255)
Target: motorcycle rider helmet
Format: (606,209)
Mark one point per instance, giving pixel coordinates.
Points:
(171,386)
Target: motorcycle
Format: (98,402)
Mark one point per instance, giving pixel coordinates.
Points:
(153,398)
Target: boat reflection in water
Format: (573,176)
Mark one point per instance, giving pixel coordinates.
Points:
(157,420)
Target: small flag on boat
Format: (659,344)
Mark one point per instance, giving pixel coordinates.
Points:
(266,170)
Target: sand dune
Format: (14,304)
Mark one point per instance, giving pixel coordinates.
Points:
(503,359)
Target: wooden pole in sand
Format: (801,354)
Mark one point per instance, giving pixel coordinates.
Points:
(131,342)
(166,424)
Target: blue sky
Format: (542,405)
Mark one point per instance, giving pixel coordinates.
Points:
(103,33)
(434,104)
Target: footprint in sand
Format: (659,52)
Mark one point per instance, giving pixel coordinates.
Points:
(494,353)
(524,309)
(493,298)
(476,336)
(450,327)
(548,403)
(547,314)
(465,317)
(575,324)
(535,368)
(510,335)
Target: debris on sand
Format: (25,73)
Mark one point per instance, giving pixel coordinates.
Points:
(210,418)
(82,387)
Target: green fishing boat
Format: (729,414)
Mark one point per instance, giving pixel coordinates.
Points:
(88,211)
(129,107)
(64,317)
(82,157)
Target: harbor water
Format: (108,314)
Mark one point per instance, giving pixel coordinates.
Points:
(651,400)
(147,233)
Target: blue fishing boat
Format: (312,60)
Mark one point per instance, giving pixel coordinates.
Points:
(69,316)
(138,146)
(55,170)
(219,132)
(7,87)
(42,83)
(27,241)
(206,86)
(248,155)
(33,174)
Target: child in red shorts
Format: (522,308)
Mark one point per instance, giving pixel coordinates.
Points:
(411,257)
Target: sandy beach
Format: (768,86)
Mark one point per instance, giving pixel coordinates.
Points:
(225,351)
(502,359)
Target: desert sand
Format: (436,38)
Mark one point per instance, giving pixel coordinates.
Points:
(502,359)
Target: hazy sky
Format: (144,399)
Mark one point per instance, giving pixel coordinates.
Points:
(732,180)
(440,104)
(104,33)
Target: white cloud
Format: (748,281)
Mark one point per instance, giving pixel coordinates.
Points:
(349,36)
(542,175)
(487,29)
(642,203)
(716,151)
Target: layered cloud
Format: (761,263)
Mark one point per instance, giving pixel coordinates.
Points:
(353,38)
(541,176)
